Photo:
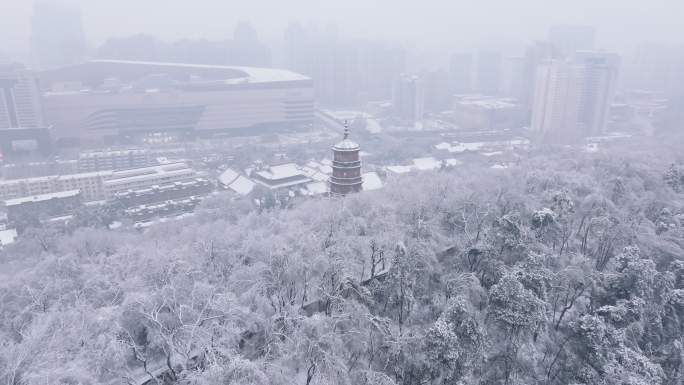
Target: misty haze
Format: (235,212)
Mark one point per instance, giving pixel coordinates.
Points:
(378,192)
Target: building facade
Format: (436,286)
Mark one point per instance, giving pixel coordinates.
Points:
(100,185)
(113,160)
(572,98)
(42,206)
(139,178)
(104,102)
(90,185)
(346,177)
(408,99)
(461,73)
(20,99)
(197,187)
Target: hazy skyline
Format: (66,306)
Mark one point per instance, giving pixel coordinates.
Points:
(460,24)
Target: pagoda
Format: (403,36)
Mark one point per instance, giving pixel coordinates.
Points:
(346,177)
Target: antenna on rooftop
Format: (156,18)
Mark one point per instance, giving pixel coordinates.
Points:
(346,129)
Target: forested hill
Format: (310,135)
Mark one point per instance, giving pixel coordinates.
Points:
(567,268)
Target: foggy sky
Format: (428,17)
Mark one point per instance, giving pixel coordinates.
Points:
(456,23)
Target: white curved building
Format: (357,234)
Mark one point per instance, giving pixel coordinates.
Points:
(110,101)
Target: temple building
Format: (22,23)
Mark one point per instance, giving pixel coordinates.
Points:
(346,177)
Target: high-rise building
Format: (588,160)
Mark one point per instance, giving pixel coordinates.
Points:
(488,72)
(57,36)
(536,54)
(346,177)
(408,99)
(438,96)
(555,103)
(246,50)
(599,76)
(513,78)
(346,72)
(657,67)
(571,38)
(572,97)
(20,98)
(461,73)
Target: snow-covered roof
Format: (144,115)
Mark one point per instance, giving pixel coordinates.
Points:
(425,164)
(399,169)
(228,176)
(321,167)
(493,153)
(490,104)
(371,181)
(7,237)
(313,164)
(317,188)
(346,145)
(242,185)
(318,167)
(458,147)
(315,174)
(451,162)
(443,146)
(250,74)
(142,174)
(42,197)
(281,171)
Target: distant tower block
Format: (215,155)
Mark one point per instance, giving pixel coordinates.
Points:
(346,165)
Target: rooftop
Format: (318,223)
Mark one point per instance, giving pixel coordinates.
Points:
(371,181)
(228,176)
(281,171)
(423,164)
(106,153)
(58,177)
(281,176)
(250,74)
(316,188)
(42,197)
(144,173)
(242,185)
(7,236)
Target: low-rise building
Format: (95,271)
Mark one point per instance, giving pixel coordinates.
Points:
(168,208)
(42,206)
(90,185)
(38,169)
(164,192)
(113,160)
(139,178)
(281,176)
(233,181)
(99,185)
(477,112)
